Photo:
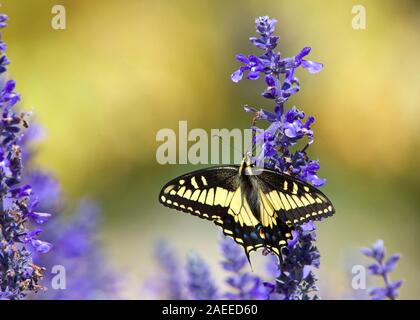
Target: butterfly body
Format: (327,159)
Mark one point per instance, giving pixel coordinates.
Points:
(257,207)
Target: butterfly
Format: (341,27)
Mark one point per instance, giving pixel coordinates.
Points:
(257,207)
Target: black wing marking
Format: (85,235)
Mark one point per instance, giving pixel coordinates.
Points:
(290,200)
(203,193)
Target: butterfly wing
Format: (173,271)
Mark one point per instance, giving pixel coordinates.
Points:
(203,193)
(215,194)
(289,200)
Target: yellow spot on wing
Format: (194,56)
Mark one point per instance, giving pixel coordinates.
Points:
(295,188)
(220,196)
(168,188)
(304,201)
(210,197)
(194,183)
(202,197)
(292,203)
(203,179)
(275,199)
(247,216)
(285,186)
(236,202)
(181,191)
(311,200)
(163,198)
(285,202)
(195,195)
(181,182)
(297,200)
(187,194)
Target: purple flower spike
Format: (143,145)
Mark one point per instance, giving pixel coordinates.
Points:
(200,282)
(18,204)
(382,268)
(244,285)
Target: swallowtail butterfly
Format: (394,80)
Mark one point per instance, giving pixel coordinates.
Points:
(257,207)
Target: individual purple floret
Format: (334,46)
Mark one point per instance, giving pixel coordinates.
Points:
(18,203)
(383,267)
(200,283)
(243,285)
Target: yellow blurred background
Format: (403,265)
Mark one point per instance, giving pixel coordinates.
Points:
(122,70)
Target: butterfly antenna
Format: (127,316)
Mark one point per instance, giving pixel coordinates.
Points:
(254,135)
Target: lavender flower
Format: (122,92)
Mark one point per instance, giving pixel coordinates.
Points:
(245,285)
(382,267)
(296,280)
(18,204)
(168,282)
(199,280)
(285,129)
(78,251)
(279,72)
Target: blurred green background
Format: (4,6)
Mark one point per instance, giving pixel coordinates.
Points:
(122,70)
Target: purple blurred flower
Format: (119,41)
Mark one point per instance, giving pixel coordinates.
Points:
(382,267)
(78,250)
(245,285)
(167,283)
(18,204)
(200,283)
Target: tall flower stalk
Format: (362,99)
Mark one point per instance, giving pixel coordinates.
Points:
(277,144)
(18,203)
(383,268)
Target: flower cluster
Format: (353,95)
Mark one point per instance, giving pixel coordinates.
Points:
(382,267)
(18,203)
(76,248)
(245,285)
(168,283)
(195,281)
(285,128)
(200,283)
(296,281)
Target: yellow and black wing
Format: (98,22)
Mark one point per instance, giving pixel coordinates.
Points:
(285,199)
(215,194)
